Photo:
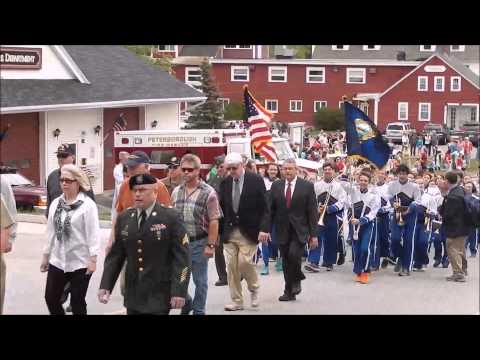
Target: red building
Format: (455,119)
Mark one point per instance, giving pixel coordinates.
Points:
(380,84)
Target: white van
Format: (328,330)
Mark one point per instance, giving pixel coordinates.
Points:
(395,130)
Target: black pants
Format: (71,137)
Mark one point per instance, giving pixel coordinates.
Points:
(292,252)
(413,149)
(220,262)
(429,148)
(135,312)
(56,280)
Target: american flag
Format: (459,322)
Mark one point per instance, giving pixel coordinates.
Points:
(259,119)
(120,123)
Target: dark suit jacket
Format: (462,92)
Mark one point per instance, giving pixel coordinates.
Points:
(453,212)
(302,214)
(157,261)
(252,206)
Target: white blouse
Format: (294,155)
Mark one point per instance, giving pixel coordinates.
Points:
(73,253)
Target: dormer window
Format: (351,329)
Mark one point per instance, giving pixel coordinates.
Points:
(340,47)
(429,48)
(371,47)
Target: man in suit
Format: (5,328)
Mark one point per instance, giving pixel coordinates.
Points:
(152,239)
(243,202)
(457,226)
(292,208)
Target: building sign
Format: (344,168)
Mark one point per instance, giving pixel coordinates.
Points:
(20,58)
(435,68)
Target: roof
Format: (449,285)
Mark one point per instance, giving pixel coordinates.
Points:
(313,62)
(412,52)
(199,50)
(115,75)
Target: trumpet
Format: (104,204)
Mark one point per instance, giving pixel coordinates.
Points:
(356,228)
(323,210)
(398,213)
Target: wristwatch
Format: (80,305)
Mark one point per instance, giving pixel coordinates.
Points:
(211,246)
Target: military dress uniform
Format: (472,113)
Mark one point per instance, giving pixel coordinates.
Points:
(158,260)
(403,236)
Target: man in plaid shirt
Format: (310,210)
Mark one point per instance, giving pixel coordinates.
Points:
(200,210)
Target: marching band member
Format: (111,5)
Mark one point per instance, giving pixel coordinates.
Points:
(403,225)
(365,204)
(382,229)
(439,237)
(426,212)
(331,198)
(472,239)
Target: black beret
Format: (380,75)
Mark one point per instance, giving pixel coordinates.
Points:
(141,179)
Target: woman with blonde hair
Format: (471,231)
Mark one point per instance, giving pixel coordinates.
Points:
(73,242)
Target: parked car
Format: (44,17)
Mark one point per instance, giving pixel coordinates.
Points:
(442,132)
(395,130)
(27,195)
(470,130)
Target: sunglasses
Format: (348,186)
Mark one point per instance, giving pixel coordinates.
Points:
(188,170)
(68,181)
(232,168)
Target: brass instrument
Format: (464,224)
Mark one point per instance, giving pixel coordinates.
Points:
(356,228)
(398,213)
(324,208)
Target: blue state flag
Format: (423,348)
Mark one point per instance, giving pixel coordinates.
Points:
(364,141)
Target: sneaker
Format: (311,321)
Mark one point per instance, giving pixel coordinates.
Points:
(254,298)
(436,263)
(364,278)
(404,273)
(398,266)
(419,269)
(329,267)
(265,271)
(311,268)
(445,264)
(221,283)
(473,255)
(68,309)
(233,307)
(456,277)
(358,278)
(384,264)
(341,259)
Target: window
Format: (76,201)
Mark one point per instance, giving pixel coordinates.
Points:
(473,116)
(238,46)
(340,47)
(296,105)
(453,115)
(371,47)
(356,76)
(271,105)
(277,74)
(424,111)
(166,48)
(240,73)
(430,48)
(319,104)
(224,102)
(315,74)
(455,83)
(457,48)
(422,83)
(193,77)
(403,111)
(439,82)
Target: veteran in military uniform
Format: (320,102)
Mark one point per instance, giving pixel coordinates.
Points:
(152,240)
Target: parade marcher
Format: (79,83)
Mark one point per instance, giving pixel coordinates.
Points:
(413,143)
(152,240)
(292,209)
(438,236)
(364,206)
(402,195)
(174,177)
(382,225)
(73,243)
(331,198)
(118,176)
(457,227)
(270,250)
(7,223)
(219,255)
(243,202)
(428,143)
(198,205)
(472,239)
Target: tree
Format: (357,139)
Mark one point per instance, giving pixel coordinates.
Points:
(330,119)
(208,115)
(145,53)
(235,111)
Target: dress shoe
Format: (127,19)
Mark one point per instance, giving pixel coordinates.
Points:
(456,277)
(404,273)
(445,264)
(384,263)
(296,289)
(265,271)
(311,268)
(398,266)
(233,307)
(436,263)
(419,269)
(364,278)
(329,267)
(341,259)
(254,298)
(287,297)
(221,283)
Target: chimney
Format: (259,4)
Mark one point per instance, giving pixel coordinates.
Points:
(401,56)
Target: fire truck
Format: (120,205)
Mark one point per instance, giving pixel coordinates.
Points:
(162,145)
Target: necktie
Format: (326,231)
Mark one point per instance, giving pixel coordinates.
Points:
(288,195)
(236,195)
(143,216)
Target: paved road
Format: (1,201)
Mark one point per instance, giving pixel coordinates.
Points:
(323,293)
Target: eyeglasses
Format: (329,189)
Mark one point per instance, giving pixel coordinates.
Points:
(231,168)
(188,170)
(68,181)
